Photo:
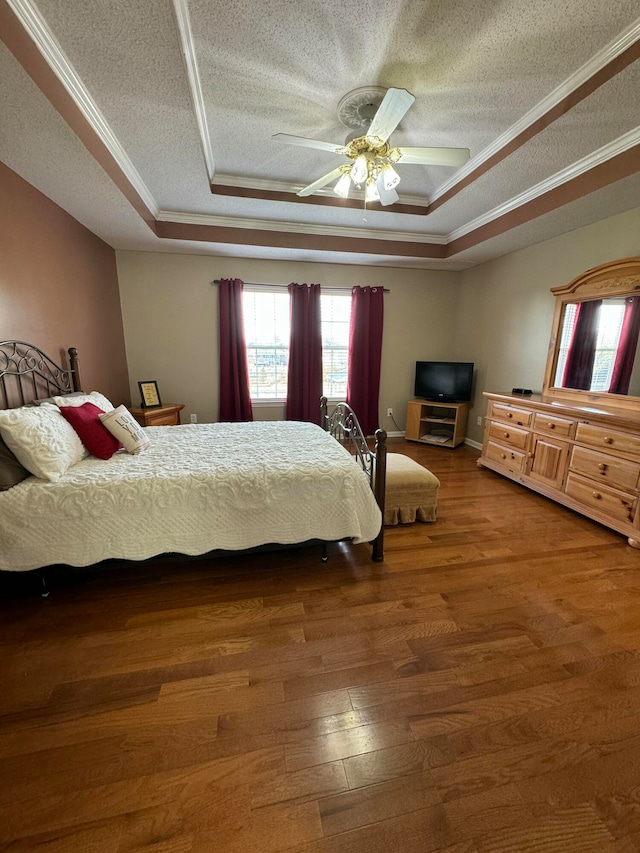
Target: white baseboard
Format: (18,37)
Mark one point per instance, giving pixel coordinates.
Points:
(475,444)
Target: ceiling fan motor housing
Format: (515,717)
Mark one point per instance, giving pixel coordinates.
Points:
(357,108)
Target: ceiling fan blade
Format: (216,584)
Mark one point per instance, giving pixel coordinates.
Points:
(321,182)
(387,197)
(306,143)
(435,156)
(391,111)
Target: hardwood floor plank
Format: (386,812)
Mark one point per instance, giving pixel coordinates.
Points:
(488,812)
(95,837)
(325,682)
(420,831)
(346,743)
(274,829)
(376,803)
(308,783)
(414,685)
(579,828)
(503,706)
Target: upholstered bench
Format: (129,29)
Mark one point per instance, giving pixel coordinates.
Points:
(411,493)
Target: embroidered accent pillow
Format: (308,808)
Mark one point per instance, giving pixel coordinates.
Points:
(121,424)
(79,399)
(41,440)
(85,420)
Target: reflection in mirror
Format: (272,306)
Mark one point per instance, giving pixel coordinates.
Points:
(598,346)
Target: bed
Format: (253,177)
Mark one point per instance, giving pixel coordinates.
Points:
(195,488)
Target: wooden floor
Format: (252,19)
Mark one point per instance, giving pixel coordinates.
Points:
(478,692)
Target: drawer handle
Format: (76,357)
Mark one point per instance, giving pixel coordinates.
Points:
(506,435)
(608,440)
(504,455)
(603,466)
(551,426)
(509,414)
(597,496)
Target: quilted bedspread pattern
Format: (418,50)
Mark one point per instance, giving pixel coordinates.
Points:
(195,488)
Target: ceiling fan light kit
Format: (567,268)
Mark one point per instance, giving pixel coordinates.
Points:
(380,113)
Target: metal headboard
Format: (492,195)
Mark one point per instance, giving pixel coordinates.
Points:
(27,373)
(344,426)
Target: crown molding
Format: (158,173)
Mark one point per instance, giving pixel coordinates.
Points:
(596,158)
(288,187)
(183,21)
(580,167)
(38,30)
(298,227)
(626,39)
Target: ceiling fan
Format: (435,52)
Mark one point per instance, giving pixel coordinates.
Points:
(374,113)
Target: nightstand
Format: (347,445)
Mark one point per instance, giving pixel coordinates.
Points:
(168,415)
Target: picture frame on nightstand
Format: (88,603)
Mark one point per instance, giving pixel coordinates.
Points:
(149,394)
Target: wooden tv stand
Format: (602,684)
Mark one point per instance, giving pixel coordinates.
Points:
(584,457)
(439,424)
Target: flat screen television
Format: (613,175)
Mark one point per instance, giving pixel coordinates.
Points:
(444,381)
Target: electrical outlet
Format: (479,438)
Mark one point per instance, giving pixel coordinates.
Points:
(389,412)
(479,421)
(194,419)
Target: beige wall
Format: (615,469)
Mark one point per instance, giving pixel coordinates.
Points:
(59,287)
(497,315)
(506,307)
(169,310)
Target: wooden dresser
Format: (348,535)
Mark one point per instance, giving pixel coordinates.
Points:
(168,415)
(587,458)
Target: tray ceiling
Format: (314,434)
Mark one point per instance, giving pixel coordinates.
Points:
(151,121)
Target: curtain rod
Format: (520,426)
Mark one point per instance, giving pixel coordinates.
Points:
(284,286)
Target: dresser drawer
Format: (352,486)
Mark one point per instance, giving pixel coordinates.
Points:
(608,439)
(512,459)
(505,434)
(612,502)
(606,469)
(510,414)
(553,425)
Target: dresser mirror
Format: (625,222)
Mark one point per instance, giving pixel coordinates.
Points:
(593,351)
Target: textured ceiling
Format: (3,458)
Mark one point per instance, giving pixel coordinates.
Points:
(126,134)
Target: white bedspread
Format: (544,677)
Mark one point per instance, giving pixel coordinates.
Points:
(196,488)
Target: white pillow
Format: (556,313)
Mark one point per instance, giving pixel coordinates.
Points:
(94,397)
(41,440)
(123,426)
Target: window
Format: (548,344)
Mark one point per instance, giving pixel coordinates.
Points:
(336,316)
(266,327)
(609,329)
(565,340)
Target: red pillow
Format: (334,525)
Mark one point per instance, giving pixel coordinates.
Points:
(95,437)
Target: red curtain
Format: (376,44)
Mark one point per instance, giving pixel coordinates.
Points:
(578,368)
(365,354)
(235,397)
(304,382)
(626,354)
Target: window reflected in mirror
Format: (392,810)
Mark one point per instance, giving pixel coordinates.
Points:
(598,345)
